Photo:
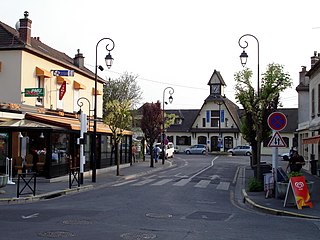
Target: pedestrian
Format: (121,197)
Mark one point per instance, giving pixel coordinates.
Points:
(295,162)
(134,151)
(156,151)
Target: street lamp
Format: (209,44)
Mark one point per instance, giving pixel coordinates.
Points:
(171,91)
(244,55)
(109,61)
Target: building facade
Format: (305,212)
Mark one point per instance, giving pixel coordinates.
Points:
(42,91)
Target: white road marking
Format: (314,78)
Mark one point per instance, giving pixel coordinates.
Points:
(123,183)
(30,216)
(202,184)
(162,182)
(149,180)
(205,169)
(223,186)
(182,182)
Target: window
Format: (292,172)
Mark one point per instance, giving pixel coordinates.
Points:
(286,141)
(312,103)
(183,140)
(215,118)
(203,122)
(202,140)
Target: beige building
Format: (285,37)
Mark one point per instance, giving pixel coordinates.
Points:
(42,90)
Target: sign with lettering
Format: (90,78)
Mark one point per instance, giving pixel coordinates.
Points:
(34,92)
(63,73)
(298,193)
(62,90)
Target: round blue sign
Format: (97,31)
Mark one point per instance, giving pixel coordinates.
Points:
(277,121)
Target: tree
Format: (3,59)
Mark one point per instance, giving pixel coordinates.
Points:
(258,106)
(119,97)
(118,118)
(151,124)
(123,88)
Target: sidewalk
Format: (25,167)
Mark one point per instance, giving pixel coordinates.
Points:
(50,188)
(275,206)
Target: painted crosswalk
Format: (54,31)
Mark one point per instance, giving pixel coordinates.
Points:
(201,184)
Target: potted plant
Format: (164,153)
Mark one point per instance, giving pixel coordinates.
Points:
(282,186)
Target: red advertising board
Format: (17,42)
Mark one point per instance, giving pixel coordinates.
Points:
(62,90)
(298,192)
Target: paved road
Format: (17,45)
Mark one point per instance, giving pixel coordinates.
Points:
(197,199)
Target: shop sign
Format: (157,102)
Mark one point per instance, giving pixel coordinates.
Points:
(34,92)
(298,193)
(62,90)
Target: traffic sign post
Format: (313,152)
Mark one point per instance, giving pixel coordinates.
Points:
(276,121)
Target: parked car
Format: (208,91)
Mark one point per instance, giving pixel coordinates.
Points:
(168,149)
(196,149)
(241,150)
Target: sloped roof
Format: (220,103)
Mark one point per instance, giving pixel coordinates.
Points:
(9,40)
(217,73)
(187,115)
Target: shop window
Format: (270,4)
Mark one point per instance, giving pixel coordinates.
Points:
(183,140)
(202,140)
(60,148)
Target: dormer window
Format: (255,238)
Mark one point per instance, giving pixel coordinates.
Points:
(215,89)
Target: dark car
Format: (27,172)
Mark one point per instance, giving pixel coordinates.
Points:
(196,149)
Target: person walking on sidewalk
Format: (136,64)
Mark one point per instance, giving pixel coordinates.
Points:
(156,151)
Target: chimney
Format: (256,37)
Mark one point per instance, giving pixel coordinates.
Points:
(314,58)
(79,59)
(302,74)
(25,29)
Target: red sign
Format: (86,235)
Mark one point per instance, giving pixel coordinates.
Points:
(277,121)
(298,190)
(277,141)
(62,90)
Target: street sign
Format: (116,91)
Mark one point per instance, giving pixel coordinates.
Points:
(62,90)
(34,92)
(277,141)
(277,121)
(63,73)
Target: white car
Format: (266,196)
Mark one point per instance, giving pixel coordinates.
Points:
(168,149)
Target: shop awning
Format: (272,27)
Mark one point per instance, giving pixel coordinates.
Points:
(26,124)
(69,123)
(98,91)
(311,140)
(42,72)
(60,80)
(77,85)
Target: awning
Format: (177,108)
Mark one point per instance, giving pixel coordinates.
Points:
(69,123)
(98,92)
(311,140)
(26,124)
(43,73)
(77,85)
(60,80)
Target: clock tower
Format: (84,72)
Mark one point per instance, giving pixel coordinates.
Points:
(216,84)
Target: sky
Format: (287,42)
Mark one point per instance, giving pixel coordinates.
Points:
(178,43)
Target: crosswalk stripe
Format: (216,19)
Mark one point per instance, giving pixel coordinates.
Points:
(162,182)
(123,183)
(223,186)
(203,184)
(182,182)
(149,180)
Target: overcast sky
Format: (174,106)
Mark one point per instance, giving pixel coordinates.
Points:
(178,43)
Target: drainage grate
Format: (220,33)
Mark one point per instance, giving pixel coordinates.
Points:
(138,236)
(56,234)
(158,215)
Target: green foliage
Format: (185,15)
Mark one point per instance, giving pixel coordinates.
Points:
(255,185)
(259,105)
(168,120)
(295,174)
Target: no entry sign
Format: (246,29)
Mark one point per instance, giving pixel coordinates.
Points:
(277,121)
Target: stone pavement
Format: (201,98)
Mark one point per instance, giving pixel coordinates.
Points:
(46,189)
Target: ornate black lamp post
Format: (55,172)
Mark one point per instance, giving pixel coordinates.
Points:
(171,91)
(109,61)
(244,55)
